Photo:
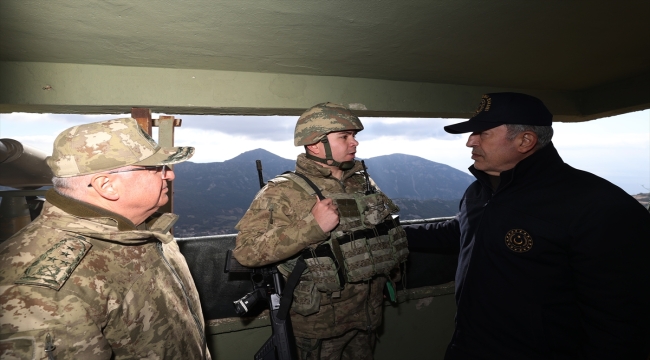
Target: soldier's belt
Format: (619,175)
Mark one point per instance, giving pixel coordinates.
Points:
(325,267)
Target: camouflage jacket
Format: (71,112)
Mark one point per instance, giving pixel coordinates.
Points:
(261,241)
(87,283)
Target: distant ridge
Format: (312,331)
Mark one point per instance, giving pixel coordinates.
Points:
(211,197)
(413,177)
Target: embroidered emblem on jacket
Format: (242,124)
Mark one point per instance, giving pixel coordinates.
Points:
(55,266)
(519,240)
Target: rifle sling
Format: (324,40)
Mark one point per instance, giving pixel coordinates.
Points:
(287,294)
(336,249)
(309,182)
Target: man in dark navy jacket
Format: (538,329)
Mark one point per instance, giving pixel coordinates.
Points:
(554,262)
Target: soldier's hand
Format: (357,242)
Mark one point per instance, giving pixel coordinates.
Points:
(326,214)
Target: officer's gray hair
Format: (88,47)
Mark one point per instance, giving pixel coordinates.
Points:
(544,133)
(71,186)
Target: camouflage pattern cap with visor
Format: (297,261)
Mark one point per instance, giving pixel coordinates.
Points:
(320,120)
(107,145)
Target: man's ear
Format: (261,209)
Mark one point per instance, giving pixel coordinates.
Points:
(527,142)
(105,187)
(313,148)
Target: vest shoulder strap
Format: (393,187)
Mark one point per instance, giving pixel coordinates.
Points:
(303,182)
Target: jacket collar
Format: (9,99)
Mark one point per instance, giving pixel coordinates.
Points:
(102,224)
(85,210)
(312,168)
(534,167)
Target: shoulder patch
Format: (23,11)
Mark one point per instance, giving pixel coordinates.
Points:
(279,179)
(54,267)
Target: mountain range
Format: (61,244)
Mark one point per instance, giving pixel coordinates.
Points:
(211,197)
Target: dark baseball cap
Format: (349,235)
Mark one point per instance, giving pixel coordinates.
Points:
(497,109)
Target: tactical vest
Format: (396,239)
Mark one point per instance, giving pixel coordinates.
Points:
(368,241)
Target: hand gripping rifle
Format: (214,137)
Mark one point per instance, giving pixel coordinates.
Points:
(267,285)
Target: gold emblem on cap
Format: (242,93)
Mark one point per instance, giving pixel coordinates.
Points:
(519,240)
(485,104)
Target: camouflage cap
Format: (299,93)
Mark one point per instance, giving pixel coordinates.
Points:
(322,119)
(106,145)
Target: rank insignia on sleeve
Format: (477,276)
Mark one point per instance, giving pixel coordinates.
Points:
(55,266)
(519,240)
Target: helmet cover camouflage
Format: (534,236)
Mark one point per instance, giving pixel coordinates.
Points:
(322,119)
(106,145)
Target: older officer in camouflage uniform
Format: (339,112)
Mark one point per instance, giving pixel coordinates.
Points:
(98,275)
(334,313)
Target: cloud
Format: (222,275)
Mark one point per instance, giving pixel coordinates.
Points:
(616,148)
(408,128)
(280,128)
(273,128)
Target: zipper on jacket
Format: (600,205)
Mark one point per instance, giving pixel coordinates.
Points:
(342,184)
(187,299)
(271,208)
(477,231)
(49,347)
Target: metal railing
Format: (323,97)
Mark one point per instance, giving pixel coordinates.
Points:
(402,222)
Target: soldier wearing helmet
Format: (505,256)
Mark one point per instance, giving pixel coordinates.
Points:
(317,122)
(331,215)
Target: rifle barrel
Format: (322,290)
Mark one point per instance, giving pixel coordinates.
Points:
(258,163)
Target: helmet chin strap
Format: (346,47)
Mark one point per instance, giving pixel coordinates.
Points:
(345,165)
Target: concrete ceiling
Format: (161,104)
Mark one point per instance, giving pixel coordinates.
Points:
(586,59)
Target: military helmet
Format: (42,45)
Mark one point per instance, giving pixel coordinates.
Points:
(322,119)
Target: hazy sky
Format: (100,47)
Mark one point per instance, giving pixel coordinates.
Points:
(615,148)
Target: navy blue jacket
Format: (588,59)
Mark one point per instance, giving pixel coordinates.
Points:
(554,264)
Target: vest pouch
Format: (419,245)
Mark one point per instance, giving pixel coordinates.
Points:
(382,253)
(374,209)
(356,259)
(398,240)
(306,299)
(349,214)
(323,268)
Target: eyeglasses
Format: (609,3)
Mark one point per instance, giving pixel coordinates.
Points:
(161,168)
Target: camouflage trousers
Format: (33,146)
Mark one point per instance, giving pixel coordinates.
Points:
(353,345)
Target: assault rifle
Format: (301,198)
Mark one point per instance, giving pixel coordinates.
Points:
(267,285)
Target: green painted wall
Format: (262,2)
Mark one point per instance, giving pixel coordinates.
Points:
(418,328)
